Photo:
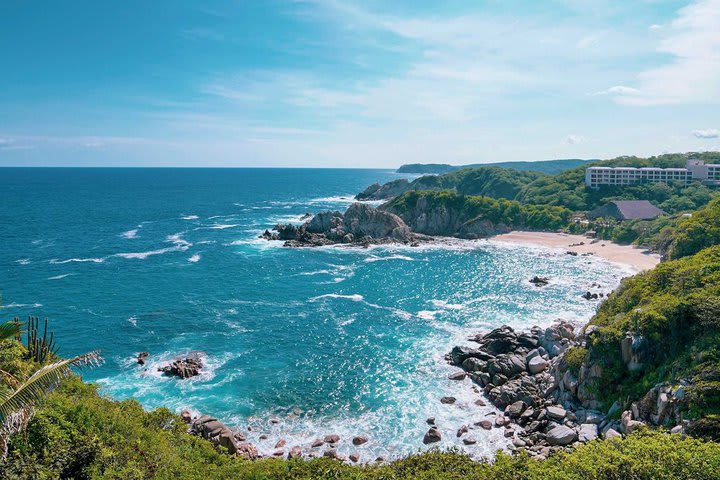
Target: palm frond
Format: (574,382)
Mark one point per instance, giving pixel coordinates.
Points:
(40,384)
(10,330)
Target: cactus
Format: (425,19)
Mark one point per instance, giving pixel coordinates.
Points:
(40,348)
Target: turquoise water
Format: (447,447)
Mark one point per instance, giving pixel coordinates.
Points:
(330,340)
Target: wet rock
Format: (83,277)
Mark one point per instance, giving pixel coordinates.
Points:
(186,416)
(430,421)
(318,442)
(331,438)
(278,453)
(280,444)
(514,410)
(462,431)
(331,453)
(359,440)
(295,452)
(183,368)
(448,400)
(457,375)
(469,441)
(142,356)
(479,402)
(354,457)
(433,435)
(486,424)
(539,281)
(500,421)
(498,341)
(474,365)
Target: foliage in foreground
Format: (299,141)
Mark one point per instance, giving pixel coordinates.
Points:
(78,434)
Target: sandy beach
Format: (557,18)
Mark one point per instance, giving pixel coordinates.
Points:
(635,257)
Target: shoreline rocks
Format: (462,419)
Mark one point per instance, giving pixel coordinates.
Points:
(183,368)
(360,225)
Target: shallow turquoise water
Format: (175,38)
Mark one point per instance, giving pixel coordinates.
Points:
(330,340)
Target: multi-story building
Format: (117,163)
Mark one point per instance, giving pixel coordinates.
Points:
(695,171)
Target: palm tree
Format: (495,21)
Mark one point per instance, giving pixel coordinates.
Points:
(17,402)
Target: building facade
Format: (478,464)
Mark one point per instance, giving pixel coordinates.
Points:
(696,170)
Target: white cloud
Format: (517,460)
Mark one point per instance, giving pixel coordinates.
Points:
(618,90)
(707,133)
(692,76)
(574,139)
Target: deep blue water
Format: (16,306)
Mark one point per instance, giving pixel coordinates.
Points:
(330,340)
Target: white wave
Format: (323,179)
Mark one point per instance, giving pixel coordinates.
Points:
(336,199)
(223,226)
(205,242)
(58,277)
(55,261)
(189,217)
(444,305)
(428,314)
(133,320)
(130,233)
(391,257)
(195,258)
(22,305)
(355,297)
(177,239)
(144,255)
(23,261)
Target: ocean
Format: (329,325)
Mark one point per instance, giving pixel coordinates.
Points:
(298,343)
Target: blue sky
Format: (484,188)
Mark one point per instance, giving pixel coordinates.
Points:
(343,83)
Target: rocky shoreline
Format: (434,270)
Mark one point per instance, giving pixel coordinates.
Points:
(548,407)
(360,225)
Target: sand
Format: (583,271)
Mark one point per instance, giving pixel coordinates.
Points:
(637,258)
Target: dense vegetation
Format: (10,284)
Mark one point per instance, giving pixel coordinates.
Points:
(458,209)
(673,311)
(78,434)
(550,167)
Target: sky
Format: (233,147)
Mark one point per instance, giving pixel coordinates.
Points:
(351,83)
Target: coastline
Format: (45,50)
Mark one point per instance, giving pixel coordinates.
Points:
(636,258)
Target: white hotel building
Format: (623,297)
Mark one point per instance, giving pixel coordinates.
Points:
(695,171)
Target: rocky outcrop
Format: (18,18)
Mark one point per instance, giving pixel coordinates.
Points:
(187,367)
(427,218)
(361,224)
(386,191)
(212,429)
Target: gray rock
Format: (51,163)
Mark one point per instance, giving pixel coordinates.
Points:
(556,412)
(514,410)
(612,433)
(561,435)
(457,375)
(588,432)
(359,440)
(469,440)
(448,400)
(474,364)
(537,364)
(486,424)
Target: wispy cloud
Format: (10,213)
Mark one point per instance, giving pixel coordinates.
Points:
(707,133)
(692,75)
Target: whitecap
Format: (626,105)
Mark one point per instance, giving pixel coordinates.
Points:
(144,255)
(428,314)
(55,261)
(23,261)
(354,297)
(177,239)
(189,217)
(58,277)
(133,320)
(444,305)
(391,257)
(195,258)
(130,233)
(21,305)
(223,226)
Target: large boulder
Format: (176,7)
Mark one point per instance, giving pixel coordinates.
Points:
(212,429)
(501,340)
(561,436)
(363,220)
(324,222)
